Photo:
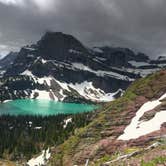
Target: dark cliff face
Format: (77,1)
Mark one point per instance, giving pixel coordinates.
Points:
(58,46)
(119,57)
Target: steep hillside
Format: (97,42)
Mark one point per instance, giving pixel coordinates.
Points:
(130,130)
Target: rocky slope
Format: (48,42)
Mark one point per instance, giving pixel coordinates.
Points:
(61,68)
(6,62)
(128,131)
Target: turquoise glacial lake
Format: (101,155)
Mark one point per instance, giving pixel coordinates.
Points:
(43,108)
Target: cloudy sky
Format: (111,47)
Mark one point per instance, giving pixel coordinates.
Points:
(137,24)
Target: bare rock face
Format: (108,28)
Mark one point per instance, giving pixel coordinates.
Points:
(59,46)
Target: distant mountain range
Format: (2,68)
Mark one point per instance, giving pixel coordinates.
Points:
(60,67)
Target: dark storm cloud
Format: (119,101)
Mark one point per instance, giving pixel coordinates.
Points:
(138,24)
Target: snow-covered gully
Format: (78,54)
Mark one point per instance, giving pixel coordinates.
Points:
(40,160)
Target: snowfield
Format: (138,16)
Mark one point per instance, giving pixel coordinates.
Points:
(6,101)
(139,128)
(138,64)
(43,95)
(101,73)
(40,160)
(85,89)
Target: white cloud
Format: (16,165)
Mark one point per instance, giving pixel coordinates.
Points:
(111,7)
(13,2)
(3,46)
(41,5)
(44,5)
(136,24)
(5,49)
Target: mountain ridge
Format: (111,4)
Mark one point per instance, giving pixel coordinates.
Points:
(67,71)
(101,72)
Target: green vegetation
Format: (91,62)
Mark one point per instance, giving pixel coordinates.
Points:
(155,161)
(24,136)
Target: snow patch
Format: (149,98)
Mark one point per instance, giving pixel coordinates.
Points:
(2,72)
(42,95)
(138,64)
(37,128)
(64,85)
(30,48)
(6,101)
(74,51)
(66,122)
(162,58)
(43,61)
(139,128)
(87,90)
(28,73)
(40,160)
(101,73)
(101,59)
(96,49)
(30,56)
(63,96)
(44,80)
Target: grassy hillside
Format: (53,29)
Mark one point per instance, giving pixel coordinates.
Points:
(97,142)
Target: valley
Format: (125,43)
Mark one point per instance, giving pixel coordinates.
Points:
(63,103)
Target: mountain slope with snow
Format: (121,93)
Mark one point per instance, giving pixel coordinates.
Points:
(101,73)
(128,130)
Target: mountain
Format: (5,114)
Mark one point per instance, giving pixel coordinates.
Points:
(6,62)
(128,131)
(60,67)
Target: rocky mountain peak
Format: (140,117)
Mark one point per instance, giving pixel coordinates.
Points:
(57,45)
(61,57)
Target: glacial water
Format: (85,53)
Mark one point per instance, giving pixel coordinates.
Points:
(43,108)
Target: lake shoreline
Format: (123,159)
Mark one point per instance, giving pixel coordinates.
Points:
(43,107)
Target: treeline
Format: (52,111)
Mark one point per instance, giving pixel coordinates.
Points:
(23,136)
